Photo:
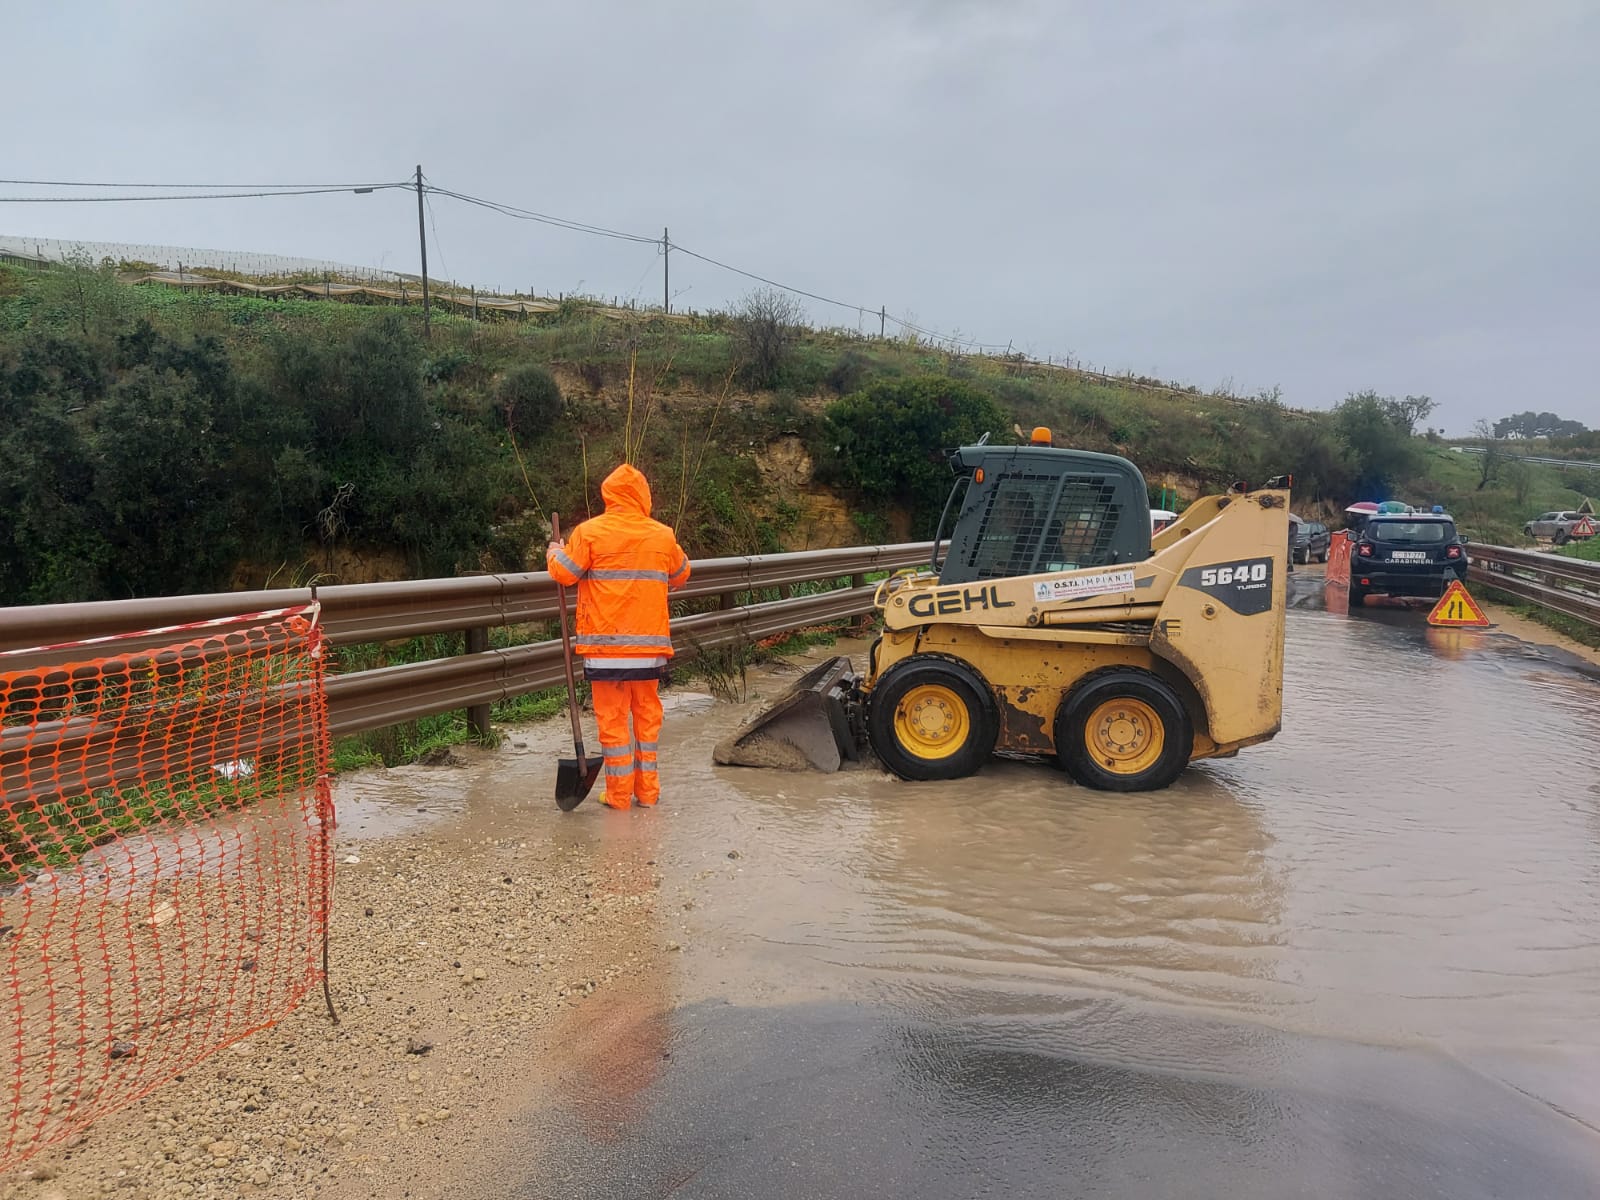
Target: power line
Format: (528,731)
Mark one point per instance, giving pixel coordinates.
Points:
(948,340)
(437,244)
(196,191)
(582,227)
(524,214)
(177,186)
(845,304)
(602,231)
(769,282)
(366,187)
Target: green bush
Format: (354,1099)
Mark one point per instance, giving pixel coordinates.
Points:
(446,365)
(1376,432)
(848,373)
(888,441)
(528,401)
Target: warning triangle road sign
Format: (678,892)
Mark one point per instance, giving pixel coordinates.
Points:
(1584,528)
(1456,608)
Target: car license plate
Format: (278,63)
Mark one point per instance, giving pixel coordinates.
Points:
(1408,556)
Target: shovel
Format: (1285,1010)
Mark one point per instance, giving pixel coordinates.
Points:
(574,776)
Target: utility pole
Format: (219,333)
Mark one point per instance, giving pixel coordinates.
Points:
(666,271)
(422,238)
(882,312)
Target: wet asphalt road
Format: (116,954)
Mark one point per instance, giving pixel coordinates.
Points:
(1362,961)
(826,1100)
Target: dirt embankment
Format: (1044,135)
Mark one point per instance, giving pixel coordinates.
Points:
(825,518)
(457,963)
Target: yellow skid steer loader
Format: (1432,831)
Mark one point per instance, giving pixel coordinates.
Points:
(1056,625)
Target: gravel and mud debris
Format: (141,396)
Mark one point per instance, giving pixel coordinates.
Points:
(452,962)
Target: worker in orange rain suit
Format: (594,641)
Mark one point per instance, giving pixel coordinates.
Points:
(623,564)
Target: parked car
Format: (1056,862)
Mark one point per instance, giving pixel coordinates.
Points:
(1311,539)
(1160,518)
(1406,554)
(1554,526)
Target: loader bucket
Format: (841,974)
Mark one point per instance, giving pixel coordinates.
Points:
(809,726)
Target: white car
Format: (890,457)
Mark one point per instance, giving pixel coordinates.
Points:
(1160,518)
(1556,526)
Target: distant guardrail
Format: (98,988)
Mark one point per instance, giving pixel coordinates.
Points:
(1569,586)
(1532,458)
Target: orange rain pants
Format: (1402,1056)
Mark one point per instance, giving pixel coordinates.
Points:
(630,757)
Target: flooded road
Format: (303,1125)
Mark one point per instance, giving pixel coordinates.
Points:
(1362,960)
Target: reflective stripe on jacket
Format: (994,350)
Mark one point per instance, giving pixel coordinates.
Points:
(623,563)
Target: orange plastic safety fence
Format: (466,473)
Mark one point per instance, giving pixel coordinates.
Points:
(165,858)
(1339,558)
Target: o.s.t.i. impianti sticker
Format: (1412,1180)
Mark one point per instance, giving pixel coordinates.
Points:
(1079,587)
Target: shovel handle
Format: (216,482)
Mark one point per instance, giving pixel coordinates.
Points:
(566,659)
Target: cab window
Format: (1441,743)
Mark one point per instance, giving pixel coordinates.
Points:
(1012,525)
(1413,533)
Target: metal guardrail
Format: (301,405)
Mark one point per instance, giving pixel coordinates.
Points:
(378,612)
(1534,458)
(1569,586)
(372,612)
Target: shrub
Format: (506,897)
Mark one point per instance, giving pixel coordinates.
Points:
(765,328)
(847,373)
(1377,432)
(446,365)
(528,401)
(888,441)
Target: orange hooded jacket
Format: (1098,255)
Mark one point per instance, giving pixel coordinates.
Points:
(623,563)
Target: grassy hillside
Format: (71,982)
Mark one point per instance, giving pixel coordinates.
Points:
(1496,512)
(156,440)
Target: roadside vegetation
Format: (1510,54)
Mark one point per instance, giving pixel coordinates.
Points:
(158,441)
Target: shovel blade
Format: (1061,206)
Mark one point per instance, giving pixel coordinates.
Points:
(573,784)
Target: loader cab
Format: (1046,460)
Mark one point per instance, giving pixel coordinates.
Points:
(1026,510)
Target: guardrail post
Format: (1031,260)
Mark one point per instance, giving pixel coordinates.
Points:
(863,622)
(728,600)
(478,714)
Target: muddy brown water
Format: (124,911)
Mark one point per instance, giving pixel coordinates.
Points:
(1415,859)
(1360,960)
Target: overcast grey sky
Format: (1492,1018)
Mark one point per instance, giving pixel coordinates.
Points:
(1323,196)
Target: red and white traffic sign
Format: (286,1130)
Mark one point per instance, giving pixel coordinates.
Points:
(1457,609)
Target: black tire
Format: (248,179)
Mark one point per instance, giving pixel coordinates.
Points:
(1323,557)
(1098,693)
(1561,537)
(967,701)
(1302,556)
(1358,595)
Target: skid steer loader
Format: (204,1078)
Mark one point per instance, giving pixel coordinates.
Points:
(1055,624)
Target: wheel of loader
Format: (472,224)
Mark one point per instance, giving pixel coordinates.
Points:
(1124,731)
(932,718)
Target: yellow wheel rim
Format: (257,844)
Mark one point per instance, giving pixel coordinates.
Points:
(931,721)
(1125,736)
